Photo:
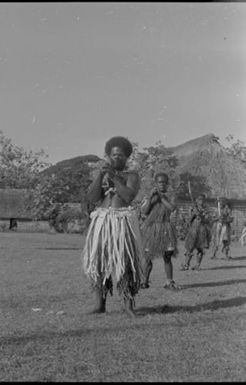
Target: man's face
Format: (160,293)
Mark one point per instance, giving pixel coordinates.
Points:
(118,158)
(162,183)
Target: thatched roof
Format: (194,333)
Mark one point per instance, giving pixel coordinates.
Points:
(13,204)
(192,145)
(207,157)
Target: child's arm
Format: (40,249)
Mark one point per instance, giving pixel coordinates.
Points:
(169,204)
(149,202)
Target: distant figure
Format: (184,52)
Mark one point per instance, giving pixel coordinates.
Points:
(12,224)
(242,239)
(221,229)
(198,235)
(158,233)
(113,242)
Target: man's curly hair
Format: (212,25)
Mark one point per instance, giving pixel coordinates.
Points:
(121,142)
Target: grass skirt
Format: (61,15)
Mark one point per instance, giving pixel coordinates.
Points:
(242,239)
(113,246)
(159,233)
(220,232)
(198,236)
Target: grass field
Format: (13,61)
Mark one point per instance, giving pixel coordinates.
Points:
(47,333)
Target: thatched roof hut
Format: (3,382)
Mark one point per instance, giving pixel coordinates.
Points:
(207,157)
(13,204)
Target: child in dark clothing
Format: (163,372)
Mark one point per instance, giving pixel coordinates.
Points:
(158,233)
(198,235)
(221,229)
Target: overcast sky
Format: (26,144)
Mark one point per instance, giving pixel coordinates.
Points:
(74,74)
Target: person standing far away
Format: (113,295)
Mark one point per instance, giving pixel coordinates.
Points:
(221,229)
(158,233)
(113,242)
(198,234)
(242,239)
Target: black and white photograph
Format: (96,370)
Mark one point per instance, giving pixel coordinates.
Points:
(123,191)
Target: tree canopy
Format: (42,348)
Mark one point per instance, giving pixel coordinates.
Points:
(19,168)
(236,149)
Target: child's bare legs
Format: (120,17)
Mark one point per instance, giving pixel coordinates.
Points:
(226,249)
(214,252)
(223,247)
(168,266)
(199,257)
(148,266)
(188,256)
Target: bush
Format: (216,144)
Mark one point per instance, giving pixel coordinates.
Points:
(71,219)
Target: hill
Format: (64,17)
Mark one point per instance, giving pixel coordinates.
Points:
(71,164)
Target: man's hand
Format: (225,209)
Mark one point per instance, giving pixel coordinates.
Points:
(108,169)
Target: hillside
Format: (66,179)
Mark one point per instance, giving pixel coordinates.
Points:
(69,164)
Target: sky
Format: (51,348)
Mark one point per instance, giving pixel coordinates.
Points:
(74,74)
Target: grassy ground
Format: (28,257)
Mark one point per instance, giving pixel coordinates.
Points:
(47,333)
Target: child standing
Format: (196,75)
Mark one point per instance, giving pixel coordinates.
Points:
(158,233)
(221,229)
(242,239)
(198,235)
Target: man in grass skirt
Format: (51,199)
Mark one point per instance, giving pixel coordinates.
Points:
(198,235)
(158,232)
(113,242)
(221,228)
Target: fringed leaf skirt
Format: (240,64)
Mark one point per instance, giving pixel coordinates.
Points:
(198,236)
(113,246)
(220,233)
(242,239)
(158,238)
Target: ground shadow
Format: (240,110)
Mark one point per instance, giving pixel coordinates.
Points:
(58,248)
(212,284)
(160,309)
(214,305)
(142,311)
(225,267)
(238,258)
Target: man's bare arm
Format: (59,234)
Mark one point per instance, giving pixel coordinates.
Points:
(95,191)
(127,191)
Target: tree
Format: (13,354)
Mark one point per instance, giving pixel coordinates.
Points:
(19,168)
(151,160)
(155,158)
(236,149)
(53,191)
